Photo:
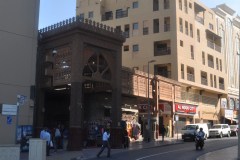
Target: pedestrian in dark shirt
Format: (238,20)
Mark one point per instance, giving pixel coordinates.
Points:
(163,130)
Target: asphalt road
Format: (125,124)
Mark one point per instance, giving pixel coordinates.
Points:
(184,151)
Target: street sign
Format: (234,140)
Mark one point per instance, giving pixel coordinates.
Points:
(21,99)
(8,109)
(9,119)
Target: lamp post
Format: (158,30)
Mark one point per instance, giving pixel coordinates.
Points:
(149,103)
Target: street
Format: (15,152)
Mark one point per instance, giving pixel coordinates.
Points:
(184,151)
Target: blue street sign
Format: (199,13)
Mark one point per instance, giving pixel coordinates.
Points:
(9,119)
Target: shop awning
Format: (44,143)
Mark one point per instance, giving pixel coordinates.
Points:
(232,119)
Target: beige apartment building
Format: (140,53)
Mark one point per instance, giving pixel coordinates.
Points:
(228,27)
(181,37)
(18,48)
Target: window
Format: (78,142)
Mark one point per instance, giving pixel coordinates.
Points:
(210,61)
(166,24)
(135,48)
(220,65)
(211,80)
(203,58)
(135,5)
(81,16)
(180,4)
(217,64)
(198,35)
(186,27)
(126,31)
(180,25)
(211,26)
(162,48)
(155,5)
(135,26)
(192,52)
(185,6)
(215,82)
(181,43)
(190,74)
(190,5)
(90,14)
(166,4)
(204,78)
(182,71)
(191,30)
(126,48)
(145,27)
(156,26)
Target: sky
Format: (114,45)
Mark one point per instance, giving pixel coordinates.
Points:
(54,11)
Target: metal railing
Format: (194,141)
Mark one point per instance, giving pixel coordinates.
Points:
(166,27)
(221,86)
(199,19)
(214,46)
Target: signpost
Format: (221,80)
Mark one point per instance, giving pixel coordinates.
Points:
(20,101)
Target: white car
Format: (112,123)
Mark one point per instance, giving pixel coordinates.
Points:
(220,130)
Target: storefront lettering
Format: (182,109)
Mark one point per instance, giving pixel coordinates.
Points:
(182,108)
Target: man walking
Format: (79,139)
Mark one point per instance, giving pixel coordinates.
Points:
(105,139)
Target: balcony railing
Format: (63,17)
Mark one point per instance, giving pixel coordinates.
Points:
(106,17)
(199,19)
(166,27)
(190,77)
(204,81)
(214,46)
(162,51)
(221,86)
(145,31)
(121,14)
(166,74)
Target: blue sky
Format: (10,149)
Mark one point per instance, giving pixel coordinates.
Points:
(54,11)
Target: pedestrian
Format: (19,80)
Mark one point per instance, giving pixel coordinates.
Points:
(57,139)
(168,131)
(45,135)
(105,139)
(163,130)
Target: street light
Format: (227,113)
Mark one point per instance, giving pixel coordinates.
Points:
(149,102)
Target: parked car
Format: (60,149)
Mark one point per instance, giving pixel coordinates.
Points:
(234,130)
(220,130)
(189,131)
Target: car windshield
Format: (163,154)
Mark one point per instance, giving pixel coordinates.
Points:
(189,127)
(216,126)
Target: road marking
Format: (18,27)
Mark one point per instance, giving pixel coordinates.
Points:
(158,154)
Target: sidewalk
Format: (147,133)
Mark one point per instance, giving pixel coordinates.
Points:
(230,153)
(92,152)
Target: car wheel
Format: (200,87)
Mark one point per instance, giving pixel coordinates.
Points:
(228,134)
(221,135)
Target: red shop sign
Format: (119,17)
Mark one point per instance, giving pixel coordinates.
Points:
(185,108)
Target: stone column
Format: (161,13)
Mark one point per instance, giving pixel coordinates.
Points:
(75,140)
(116,111)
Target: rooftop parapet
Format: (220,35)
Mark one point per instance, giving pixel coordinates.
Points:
(84,24)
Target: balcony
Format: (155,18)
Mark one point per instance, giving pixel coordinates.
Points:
(190,77)
(214,46)
(199,19)
(121,14)
(165,73)
(162,51)
(204,81)
(107,17)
